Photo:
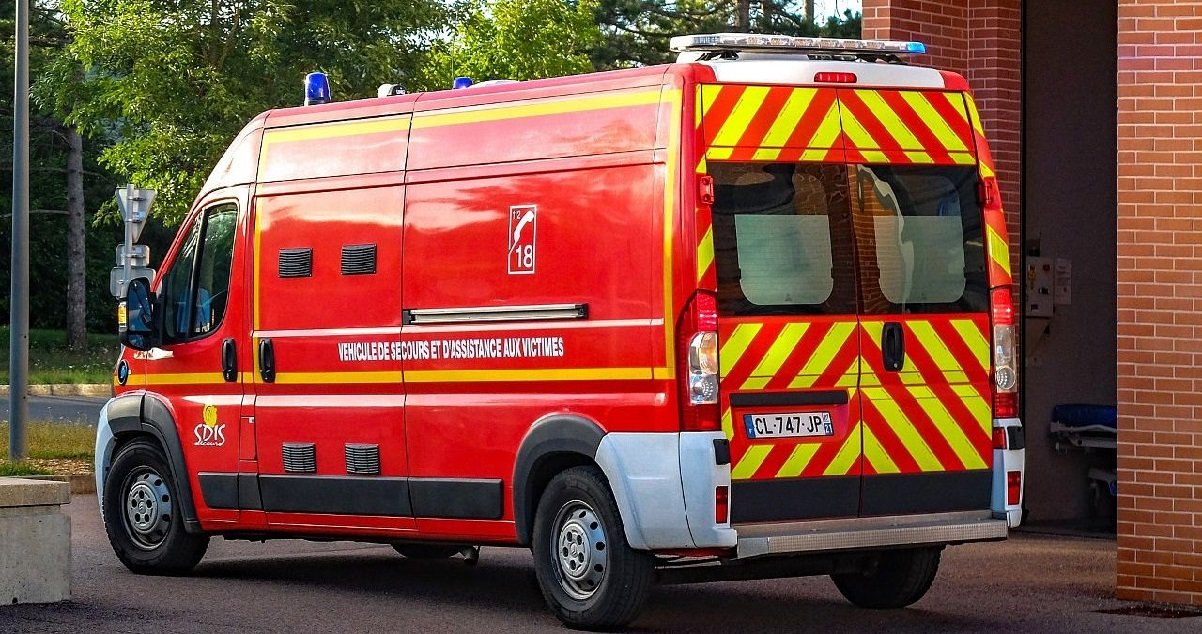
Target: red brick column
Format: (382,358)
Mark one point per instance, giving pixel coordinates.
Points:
(980,39)
(1160,300)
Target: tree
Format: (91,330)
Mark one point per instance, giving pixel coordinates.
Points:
(516,39)
(167,84)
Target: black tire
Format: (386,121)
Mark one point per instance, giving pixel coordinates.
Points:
(900,578)
(427,551)
(142,514)
(600,585)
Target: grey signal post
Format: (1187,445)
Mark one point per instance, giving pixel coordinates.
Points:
(18,343)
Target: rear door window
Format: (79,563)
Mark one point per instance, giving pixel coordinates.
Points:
(782,239)
(919,238)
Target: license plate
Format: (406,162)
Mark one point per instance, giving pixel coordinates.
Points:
(788,425)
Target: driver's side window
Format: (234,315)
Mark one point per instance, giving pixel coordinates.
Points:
(195,289)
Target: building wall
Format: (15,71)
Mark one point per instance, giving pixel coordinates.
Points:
(1160,300)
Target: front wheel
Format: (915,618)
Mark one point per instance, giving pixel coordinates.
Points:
(590,577)
(142,513)
(900,578)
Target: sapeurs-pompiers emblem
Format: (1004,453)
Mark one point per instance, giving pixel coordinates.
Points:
(209,433)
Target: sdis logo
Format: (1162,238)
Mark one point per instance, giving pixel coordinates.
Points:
(209,433)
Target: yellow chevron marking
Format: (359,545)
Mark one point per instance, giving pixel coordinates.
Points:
(766,154)
(735,346)
(987,170)
(889,119)
(728,426)
(974,115)
(935,346)
(904,429)
(999,250)
(705,253)
(868,378)
(974,339)
(798,460)
(708,96)
(948,428)
(815,155)
(828,131)
(922,158)
(982,411)
(702,168)
(876,455)
(856,132)
(671,97)
(790,116)
(831,344)
(851,378)
(719,153)
(935,121)
(848,453)
(698,98)
(745,110)
(777,354)
(963,158)
(751,462)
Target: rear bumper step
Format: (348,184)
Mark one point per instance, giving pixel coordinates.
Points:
(757,540)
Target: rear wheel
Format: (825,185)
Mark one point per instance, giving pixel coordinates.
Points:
(427,551)
(900,578)
(142,513)
(590,577)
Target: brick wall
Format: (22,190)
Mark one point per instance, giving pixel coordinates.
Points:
(979,39)
(1160,300)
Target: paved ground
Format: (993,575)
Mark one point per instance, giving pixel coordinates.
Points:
(60,409)
(1029,584)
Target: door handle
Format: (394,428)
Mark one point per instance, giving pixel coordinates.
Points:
(266,361)
(893,347)
(229,361)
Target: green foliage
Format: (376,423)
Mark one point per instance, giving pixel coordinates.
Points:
(54,441)
(50,361)
(168,83)
(516,39)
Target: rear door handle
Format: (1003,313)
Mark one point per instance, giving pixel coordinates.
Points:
(893,346)
(229,361)
(266,361)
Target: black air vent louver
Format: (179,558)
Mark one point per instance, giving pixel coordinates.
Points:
(296,262)
(300,457)
(362,459)
(359,259)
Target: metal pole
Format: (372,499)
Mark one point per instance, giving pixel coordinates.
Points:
(18,323)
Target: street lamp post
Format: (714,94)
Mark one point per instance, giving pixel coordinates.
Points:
(18,346)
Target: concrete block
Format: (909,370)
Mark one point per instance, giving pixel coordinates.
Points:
(35,542)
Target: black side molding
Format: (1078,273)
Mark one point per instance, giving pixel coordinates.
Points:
(456,498)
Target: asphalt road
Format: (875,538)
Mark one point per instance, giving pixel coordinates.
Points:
(1028,584)
(60,409)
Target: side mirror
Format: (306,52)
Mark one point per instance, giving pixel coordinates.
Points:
(139,330)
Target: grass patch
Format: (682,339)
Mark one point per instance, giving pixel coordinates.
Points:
(20,469)
(53,449)
(50,361)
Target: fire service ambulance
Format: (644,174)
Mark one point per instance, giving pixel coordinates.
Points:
(747,315)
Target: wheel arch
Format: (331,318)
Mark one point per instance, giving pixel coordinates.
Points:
(131,416)
(553,444)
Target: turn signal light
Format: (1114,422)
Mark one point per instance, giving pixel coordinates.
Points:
(722,504)
(1014,487)
(699,364)
(1005,367)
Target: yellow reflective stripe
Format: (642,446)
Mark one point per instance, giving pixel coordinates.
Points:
(705,253)
(336,130)
(520,110)
(935,121)
(828,131)
(904,429)
(766,154)
(777,354)
(731,351)
(919,157)
(790,116)
(868,378)
(933,344)
(999,250)
(850,378)
(982,410)
(856,132)
(987,171)
(728,426)
(697,109)
(846,458)
(963,158)
(798,460)
(745,110)
(974,339)
(179,378)
(876,455)
(888,118)
(948,428)
(831,344)
(701,166)
(709,95)
(562,374)
(338,378)
(814,155)
(974,115)
(719,153)
(750,462)
(672,97)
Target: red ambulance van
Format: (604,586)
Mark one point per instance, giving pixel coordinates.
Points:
(745,315)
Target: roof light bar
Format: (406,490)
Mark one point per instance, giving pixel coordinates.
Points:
(749,41)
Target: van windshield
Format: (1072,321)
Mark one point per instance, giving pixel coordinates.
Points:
(806,239)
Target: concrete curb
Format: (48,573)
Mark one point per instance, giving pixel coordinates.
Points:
(79,483)
(66,389)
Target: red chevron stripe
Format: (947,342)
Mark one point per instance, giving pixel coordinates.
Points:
(846,357)
(765,116)
(755,352)
(978,437)
(926,428)
(918,127)
(872,125)
(720,110)
(803,134)
(961,415)
(805,350)
(775,460)
(956,118)
(890,442)
(978,377)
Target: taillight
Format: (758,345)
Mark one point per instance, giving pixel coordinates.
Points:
(721,504)
(1005,369)
(699,364)
(999,437)
(835,78)
(1014,487)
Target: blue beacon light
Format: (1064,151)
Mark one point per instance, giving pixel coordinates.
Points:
(461,82)
(317,89)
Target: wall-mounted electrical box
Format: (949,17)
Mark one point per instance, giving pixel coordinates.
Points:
(1040,281)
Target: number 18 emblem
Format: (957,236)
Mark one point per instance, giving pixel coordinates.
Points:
(523,220)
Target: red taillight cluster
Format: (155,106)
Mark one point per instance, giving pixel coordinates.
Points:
(721,504)
(698,364)
(1005,367)
(1014,487)
(835,78)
